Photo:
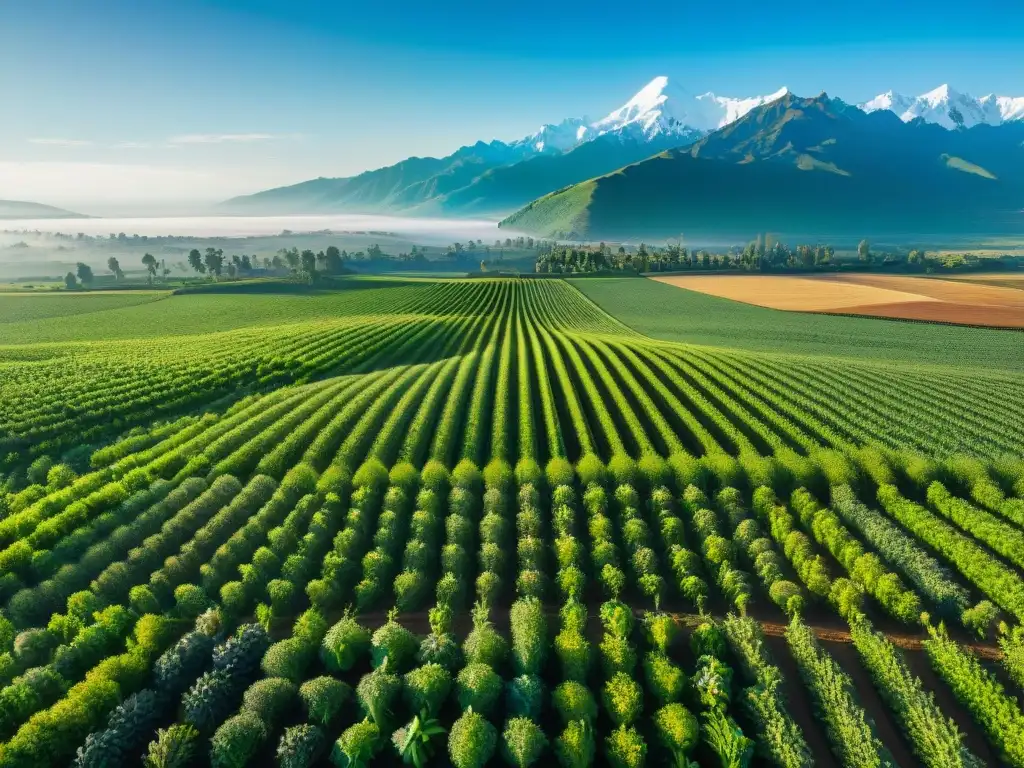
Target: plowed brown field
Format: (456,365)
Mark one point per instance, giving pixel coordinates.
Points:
(894,296)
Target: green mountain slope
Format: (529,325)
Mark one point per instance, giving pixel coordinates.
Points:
(20,209)
(485,179)
(802,166)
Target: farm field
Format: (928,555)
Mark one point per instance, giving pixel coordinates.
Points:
(478,522)
(969,302)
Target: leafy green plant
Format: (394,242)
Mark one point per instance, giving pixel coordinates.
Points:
(471,741)
(174,747)
(414,741)
(734,750)
(524,742)
(677,730)
(665,680)
(623,699)
(344,644)
(524,696)
(479,687)
(626,748)
(324,698)
(300,746)
(426,688)
(269,699)
(484,645)
(357,746)
(575,747)
(237,740)
(574,701)
(378,694)
(394,642)
(529,635)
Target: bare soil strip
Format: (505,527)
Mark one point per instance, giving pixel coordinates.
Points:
(871,295)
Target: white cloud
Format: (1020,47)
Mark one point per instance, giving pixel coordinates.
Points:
(220,138)
(61,142)
(133,145)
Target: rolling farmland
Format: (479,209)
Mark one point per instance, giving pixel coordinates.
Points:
(504,521)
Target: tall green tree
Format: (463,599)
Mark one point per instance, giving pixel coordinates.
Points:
(213,258)
(70,281)
(308,262)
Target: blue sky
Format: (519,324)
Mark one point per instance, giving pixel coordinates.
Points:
(183,102)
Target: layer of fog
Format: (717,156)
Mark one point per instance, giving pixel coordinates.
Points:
(423,231)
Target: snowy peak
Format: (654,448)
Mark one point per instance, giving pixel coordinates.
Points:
(949,108)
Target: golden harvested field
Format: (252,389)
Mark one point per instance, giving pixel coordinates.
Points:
(894,296)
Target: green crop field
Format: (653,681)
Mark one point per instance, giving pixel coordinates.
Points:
(477,522)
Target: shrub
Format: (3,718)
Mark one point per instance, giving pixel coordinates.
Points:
(356,747)
(434,476)
(712,680)
(626,748)
(142,600)
(623,699)
(484,645)
(574,654)
(665,680)
(478,686)
(32,647)
(677,729)
(707,640)
(574,701)
(426,688)
(590,469)
(622,469)
(524,697)
(344,644)
(288,659)
(300,746)
(174,747)
(394,642)
(652,470)
(405,476)
(371,474)
(488,587)
(529,635)
(573,615)
(211,698)
(575,747)
(269,699)
(181,663)
(237,741)
(498,475)
(524,742)
(378,693)
(528,472)
(466,475)
(129,725)
(241,653)
(324,697)
(559,471)
(661,629)
(617,655)
(153,633)
(472,741)
(617,618)
(440,649)
(189,601)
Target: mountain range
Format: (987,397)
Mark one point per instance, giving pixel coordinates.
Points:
(495,178)
(21,209)
(808,166)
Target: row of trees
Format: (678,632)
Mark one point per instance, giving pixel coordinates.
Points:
(762,254)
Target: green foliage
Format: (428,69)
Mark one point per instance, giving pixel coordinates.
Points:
(471,741)
(626,748)
(523,741)
(426,688)
(300,746)
(677,729)
(378,694)
(664,679)
(395,643)
(174,747)
(237,741)
(357,746)
(478,686)
(529,635)
(623,699)
(574,654)
(270,699)
(524,697)
(414,741)
(484,644)
(733,749)
(344,644)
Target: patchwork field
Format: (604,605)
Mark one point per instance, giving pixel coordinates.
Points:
(457,522)
(990,303)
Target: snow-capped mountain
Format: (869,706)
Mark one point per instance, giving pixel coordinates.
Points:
(949,108)
(661,109)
